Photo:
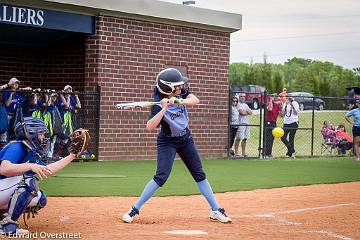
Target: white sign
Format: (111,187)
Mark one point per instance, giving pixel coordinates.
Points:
(21,15)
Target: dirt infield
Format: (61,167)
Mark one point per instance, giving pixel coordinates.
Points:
(309,212)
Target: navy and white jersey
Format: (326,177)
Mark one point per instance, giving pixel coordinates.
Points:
(176,119)
(18,152)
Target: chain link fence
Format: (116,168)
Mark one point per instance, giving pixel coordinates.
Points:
(309,141)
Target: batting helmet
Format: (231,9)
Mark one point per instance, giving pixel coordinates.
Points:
(34,126)
(168,79)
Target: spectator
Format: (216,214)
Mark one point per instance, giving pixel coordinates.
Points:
(234,122)
(353,117)
(68,102)
(283,95)
(27,102)
(12,99)
(328,132)
(243,132)
(290,113)
(48,117)
(38,104)
(10,94)
(273,109)
(344,140)
(76,114)
(351,98)
(4,122)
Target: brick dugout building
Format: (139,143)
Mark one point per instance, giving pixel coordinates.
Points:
(121,46)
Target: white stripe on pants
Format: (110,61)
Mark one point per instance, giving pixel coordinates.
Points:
(7,188)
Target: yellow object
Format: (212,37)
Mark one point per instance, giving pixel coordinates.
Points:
(278,132)
(92,156)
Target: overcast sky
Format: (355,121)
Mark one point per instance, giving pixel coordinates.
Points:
(326,30)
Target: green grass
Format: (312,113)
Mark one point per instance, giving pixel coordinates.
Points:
(128,178)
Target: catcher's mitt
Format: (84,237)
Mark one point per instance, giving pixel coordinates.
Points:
(79,141)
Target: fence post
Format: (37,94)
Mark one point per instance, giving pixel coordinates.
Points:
(97,120)
(312,126)
(229,122)
(262,124)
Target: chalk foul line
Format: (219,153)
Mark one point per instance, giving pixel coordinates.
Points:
(316,208)
(284,221)
(330,234)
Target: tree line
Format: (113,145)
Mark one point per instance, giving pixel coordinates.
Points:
(296,74)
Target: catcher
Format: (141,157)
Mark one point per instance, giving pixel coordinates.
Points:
(21,166)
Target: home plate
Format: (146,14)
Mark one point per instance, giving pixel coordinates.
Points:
(187,232)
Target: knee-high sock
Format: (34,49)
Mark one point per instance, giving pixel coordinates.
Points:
(206,190)
(147,193)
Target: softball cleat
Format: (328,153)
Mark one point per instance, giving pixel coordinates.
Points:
(220,215)
(129,216)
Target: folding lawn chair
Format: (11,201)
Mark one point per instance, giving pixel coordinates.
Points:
(328,145)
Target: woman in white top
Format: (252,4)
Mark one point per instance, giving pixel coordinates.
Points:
(234,122)
(290,113)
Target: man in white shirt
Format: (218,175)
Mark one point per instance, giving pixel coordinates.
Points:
(243,132)
(290,112)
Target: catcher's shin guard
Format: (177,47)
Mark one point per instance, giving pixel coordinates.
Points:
(33,208)
(22,196)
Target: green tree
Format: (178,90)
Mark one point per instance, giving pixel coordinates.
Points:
(266,75)
(277,82)
(297,74)
(302,81)
(291,68)
(249,75)
(324,87)
(236,73)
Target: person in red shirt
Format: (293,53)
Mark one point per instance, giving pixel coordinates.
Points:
(273,110)
(345,140)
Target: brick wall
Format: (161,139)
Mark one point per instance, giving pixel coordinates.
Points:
(124,58)
(52,66)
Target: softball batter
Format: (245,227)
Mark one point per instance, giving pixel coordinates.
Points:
(175,137)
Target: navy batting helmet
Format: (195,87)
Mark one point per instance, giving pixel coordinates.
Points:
(34,126)
(168,79)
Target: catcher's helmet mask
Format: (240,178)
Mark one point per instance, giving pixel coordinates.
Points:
(168,79)
(34,127)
